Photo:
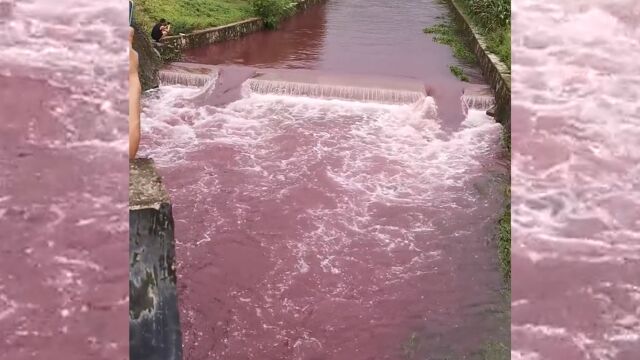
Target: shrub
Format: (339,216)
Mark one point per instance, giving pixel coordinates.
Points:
(492,14)
(272,11)
(493,19)
(458,72)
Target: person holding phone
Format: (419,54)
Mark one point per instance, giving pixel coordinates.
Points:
(160,30)
(135,90)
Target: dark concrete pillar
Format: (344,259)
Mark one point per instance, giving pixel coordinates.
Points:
(154,324)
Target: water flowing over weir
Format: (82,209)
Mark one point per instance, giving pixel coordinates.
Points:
(329,212)
(168,77)
(328,91)
(312,227)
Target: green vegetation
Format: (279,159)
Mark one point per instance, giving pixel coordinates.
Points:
(189,15)
(496,351)
(446,33)
(457,71)
(272,11)
(492,18)
(504,237)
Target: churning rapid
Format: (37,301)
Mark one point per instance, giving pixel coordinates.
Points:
(63,180)
(576,197)
(317,221)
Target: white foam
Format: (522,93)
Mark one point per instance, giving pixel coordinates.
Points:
(168,77)
(378,153)
(576,190)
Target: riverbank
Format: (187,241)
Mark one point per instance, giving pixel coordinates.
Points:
(492,19)
(465,33)
(191,15)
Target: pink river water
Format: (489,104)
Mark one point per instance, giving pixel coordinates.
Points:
(63,180)
(576,193)
(331,229)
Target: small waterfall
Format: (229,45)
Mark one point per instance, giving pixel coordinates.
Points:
(477,102)
(332,91)
(168,77)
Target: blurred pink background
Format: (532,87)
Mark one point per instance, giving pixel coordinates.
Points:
(576,180)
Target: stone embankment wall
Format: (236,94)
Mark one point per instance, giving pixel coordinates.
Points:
(172,46)
(495,72)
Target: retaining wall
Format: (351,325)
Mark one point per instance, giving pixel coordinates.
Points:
(154,323)
(495,72)
(172,46)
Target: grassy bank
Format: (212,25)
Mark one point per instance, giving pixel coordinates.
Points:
(447,33)
(504,237)
(492,18)
(189,15)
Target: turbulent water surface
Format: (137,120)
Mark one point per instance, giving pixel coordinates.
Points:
(576,187)
(311,228)
(63,176)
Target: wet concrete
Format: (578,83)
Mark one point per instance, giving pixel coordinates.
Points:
(154,324)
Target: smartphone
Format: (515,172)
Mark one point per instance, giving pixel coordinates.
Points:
(130,12)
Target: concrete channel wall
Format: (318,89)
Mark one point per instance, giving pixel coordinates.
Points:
(172,46)
(495,72)
(154,324)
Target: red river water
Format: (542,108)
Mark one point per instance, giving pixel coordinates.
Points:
(309,228)
(576,193)
(63,180)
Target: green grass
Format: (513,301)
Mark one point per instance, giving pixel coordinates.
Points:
(446,33)
(499,43)
(504,237)
(189,15)
(458,72)
(492,18)
(496,351)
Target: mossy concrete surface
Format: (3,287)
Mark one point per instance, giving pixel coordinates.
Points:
(148,58)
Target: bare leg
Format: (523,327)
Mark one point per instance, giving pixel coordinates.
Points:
(134,100)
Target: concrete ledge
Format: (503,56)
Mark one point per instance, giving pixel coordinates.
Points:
(172,46)
(145,186)
(495,72)
(154,323)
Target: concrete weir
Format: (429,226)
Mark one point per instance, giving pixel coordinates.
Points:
(154,325)
(307,83)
